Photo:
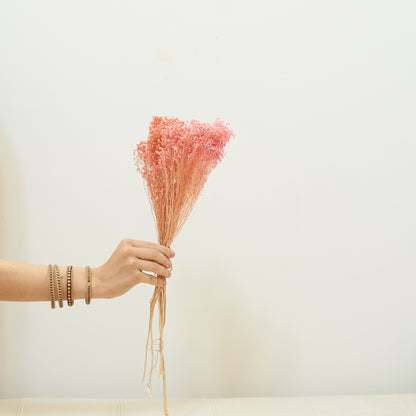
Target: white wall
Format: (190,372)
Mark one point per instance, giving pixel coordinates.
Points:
(295,274)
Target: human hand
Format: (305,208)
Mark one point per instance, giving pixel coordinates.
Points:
(125,268)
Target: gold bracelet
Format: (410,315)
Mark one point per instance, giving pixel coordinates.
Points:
(69,286)
(51,286)
(58,280)
(88,300)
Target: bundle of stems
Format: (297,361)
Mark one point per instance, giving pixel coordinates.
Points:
(175,162)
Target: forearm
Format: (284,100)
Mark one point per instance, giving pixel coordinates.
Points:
(30,282)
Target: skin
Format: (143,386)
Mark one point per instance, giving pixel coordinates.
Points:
(128,266)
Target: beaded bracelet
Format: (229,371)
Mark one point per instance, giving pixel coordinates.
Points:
(58,280)
(69,286)
(88,300)
(51,286)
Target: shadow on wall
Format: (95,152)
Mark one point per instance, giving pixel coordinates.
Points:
(234,348)
(12,314)
(254,355)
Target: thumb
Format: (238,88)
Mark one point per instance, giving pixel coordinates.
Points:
(152,280)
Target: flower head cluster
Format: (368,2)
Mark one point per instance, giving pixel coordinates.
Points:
(180,153)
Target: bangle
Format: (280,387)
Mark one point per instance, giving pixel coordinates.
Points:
(88,300)
(51,286)
(58,280)
(69,286)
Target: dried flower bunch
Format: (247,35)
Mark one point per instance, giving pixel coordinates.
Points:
(175,162)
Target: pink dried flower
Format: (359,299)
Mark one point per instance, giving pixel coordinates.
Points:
(175,162)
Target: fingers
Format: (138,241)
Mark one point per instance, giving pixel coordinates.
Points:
(152,255)
(168,252)
(148,256)
(154,267)
(151,280)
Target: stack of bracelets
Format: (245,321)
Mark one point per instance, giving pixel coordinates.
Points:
(54,272)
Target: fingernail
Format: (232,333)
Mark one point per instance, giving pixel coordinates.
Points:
(169,273)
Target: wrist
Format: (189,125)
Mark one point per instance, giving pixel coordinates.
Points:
(80,283)
(96,283)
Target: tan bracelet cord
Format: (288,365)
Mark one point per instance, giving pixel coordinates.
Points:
(58,280)
(51,286)
(88,300)
(69,286)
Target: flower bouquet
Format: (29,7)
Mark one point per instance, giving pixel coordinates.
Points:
(175,162)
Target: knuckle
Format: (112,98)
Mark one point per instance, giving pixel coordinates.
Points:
(131,262)
(126,250)
(125,246)
(131,269)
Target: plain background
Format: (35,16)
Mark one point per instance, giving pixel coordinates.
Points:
(295,274)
